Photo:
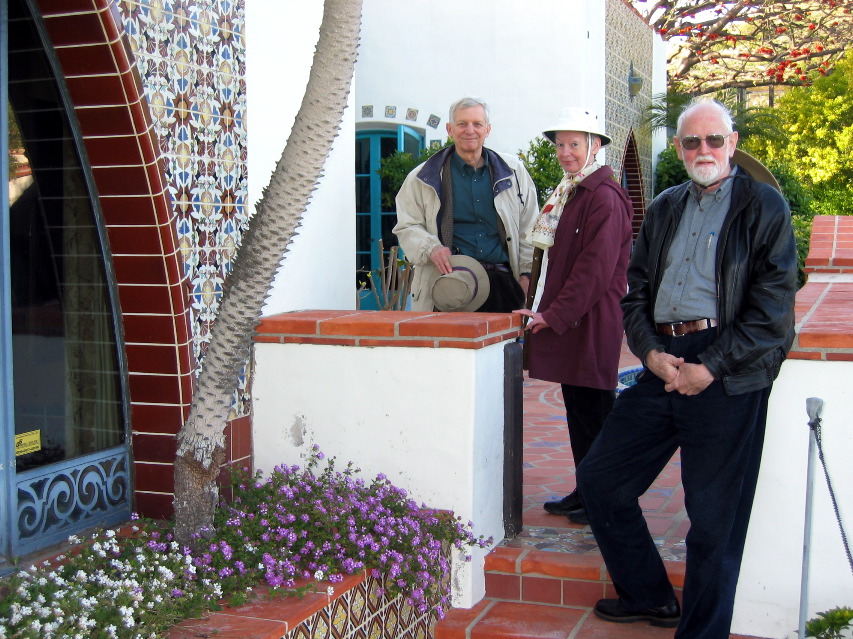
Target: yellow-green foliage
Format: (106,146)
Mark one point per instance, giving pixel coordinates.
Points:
(818,122)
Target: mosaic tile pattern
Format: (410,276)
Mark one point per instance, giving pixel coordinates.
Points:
(191,57)
(362,613)
(627,41)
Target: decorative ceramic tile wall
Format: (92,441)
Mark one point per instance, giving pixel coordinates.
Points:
(363,612)
(191,57)
(627,42)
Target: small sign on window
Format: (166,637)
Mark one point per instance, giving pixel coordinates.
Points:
(27,442)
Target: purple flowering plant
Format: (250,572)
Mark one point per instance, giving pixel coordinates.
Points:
(286,531)
(321,524)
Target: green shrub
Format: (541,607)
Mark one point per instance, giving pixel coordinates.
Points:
(541,162)
(394,169)
(835,199)
(670,170)
(830,624)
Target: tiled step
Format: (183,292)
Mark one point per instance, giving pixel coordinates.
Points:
(533,594)
(552,578)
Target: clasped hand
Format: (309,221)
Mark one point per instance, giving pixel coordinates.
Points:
(687,379)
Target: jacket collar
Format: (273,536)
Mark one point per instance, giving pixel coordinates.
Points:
(430,173)
(593,180)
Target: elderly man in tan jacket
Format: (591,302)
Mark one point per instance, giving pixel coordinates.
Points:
(468,200)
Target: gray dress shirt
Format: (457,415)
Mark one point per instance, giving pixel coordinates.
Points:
(688,290)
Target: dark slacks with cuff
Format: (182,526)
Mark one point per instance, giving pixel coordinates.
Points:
(721,438)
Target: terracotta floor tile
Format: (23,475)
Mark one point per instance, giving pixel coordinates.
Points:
(503,586)
(526,621)
(563,565)
(457,621)
(595,628)
(503,559)
(583,594)
(544,590)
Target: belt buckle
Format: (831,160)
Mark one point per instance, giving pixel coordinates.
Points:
(673,329)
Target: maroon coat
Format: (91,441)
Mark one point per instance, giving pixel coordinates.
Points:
(585,279)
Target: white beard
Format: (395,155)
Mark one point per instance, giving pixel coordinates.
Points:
(705,174)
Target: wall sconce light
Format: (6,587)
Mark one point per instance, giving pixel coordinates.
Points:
(635,82)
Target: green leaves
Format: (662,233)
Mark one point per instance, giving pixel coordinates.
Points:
(541,162)
(394,169)
(670,170)
(830,624)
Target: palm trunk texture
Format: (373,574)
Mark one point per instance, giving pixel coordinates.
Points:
(201,440)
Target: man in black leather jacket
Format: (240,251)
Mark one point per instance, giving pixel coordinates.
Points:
(710,311)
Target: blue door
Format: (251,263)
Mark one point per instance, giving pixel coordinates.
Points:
(65,462)
(375,215)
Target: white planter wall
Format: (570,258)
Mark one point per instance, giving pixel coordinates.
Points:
(768,596)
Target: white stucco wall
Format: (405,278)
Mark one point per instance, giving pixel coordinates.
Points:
(429,419)
(318,271)
(526,60)
(768,596)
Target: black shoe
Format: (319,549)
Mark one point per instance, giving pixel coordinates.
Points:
(666,616)
(563,506)
(578,516)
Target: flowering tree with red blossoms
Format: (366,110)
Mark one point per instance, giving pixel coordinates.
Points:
(717,45)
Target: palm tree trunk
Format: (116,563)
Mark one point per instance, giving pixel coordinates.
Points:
(201,440)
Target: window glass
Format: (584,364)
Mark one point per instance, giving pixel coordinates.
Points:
(66,379)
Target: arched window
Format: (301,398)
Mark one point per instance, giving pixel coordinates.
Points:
(63,396)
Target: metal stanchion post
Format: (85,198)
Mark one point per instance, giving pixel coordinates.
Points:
(814,405)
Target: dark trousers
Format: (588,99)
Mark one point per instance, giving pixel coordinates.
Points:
(586,410)
(505,294)
(721,437)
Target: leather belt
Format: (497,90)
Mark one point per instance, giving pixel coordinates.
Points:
(500,268)
(685,328)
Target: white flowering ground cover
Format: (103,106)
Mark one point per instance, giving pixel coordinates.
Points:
(280,531)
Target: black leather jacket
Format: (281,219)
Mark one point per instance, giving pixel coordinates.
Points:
(756,283)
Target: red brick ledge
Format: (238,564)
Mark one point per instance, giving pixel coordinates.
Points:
(831,245)
(389,328)
(823,311)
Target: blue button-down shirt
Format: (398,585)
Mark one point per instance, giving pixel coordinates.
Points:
(475,220)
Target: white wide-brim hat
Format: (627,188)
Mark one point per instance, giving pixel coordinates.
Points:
(754,168)
(577,119)
(463,289)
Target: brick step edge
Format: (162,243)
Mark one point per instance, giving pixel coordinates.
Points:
(554,578)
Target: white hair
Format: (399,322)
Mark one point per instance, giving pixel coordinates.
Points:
(467,103)
(722,109)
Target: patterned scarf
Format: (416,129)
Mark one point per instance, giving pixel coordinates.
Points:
(542,233)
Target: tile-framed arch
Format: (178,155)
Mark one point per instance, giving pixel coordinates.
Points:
(632,180)
(123,152)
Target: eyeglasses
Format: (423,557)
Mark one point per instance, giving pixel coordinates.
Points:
(692,142)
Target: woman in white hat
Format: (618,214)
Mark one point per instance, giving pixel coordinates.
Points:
(575,334)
